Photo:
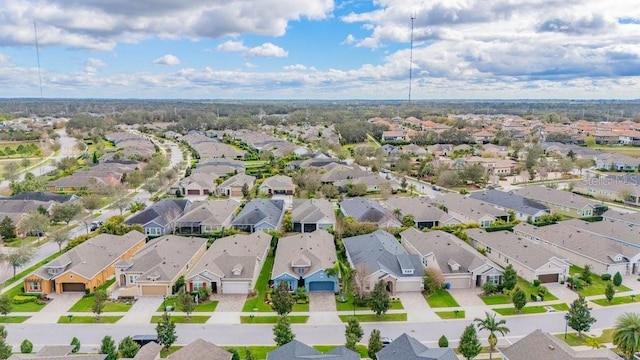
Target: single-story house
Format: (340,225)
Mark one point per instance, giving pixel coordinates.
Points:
(160,218)
(460,264)
(542,345)
(233,185)
(260,214)
(198,184)
(610,188)
(201,350)
(562,202)
(86,266)
(313,214)
(406,347)
(530,260)
(425,214)
(207,216)
(296,350)
(468,210)
(627,218)
(58,352)
(615,231)
(231,265)
(277,185)
(381,258)
(301,260)
(155,268)
(525,209)
(368,210)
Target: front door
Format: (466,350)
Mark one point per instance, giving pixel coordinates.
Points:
(214,287)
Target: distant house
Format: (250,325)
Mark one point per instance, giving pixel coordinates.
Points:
(406,347)
(58,352)
(460,264)
(562,202)
(469,210)
(198,184)
(373,182)
(207,216)
(160,218)
(382,258)
(155,268)
(277,185)
(233,185)
(626,218)
(296,350)
(530,260)
(301,260)
(44,197)
(86,266)
(395,135)
(424,213)
(525,209)
(260,214)
(368,210)
(231,265)
(623,189)
(616,162)
(313,214)
(201,350)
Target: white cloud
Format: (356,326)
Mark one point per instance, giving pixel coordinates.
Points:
(169,59)
(350,39)
(93,65)
(231,45)
(267,50)
(296,67)
(249,65)
(4,59)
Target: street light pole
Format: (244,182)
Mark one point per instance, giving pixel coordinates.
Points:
(164,305)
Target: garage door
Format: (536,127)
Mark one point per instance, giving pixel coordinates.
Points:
(72,287)
(235,287)
(549,278)
(321,286)
(154,290)
(193,192)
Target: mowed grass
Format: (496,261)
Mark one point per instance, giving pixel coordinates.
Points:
(257,303)
(31,306)
(348,305)
(272,319)
(209,306)
(86,303)
(525,310)
(573,339)
(88,319)
(451,314)
(182,319)
(615,301)
(360,349)
(561,307)
(13,319)
(375,318)
(441,298)
(624,150)
(597,286)
(499,299)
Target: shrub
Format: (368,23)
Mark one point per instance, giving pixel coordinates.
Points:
(443,342)
(617,279)
(23,299)
(536,282)
(26,347)
(605,277)
(489,288)
(542,290)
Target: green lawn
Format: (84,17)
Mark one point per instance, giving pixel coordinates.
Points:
(360,349)
(561,307)
(88,320)
(525,310)
(441,298)
(202,307)
(616,301)
(451,314)
(573,339)
(26,307)
(85,304)
(497,299)
(29,270)
(528,288)
(597,286)
(182,319)
(257,303)
(13,319)
(257,352)
(375,318)
(272,319)
(348,306)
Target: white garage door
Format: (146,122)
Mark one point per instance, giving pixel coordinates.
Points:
(411,285)
(239,287)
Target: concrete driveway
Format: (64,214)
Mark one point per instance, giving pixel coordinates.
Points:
(142,310)
(58,306)
(228,310)
(322,308)
(416,306)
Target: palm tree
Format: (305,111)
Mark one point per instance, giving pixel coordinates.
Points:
(490,324)
(626,334)
(343,272)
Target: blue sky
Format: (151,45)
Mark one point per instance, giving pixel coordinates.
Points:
(321,49)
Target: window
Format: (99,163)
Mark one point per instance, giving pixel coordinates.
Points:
(300,271)
(197,286)
(506,260)
(424,261)
(132,279)
(152,231)
(495,279)
(34,286)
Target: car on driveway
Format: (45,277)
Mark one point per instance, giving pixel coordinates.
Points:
(386,341)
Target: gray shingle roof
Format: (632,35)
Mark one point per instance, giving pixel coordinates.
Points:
(238,180)
(260,210)
(381,251)
(509,200)
(406,347)
(313,210)
(367,210)
(540,345)
(418,206)
(317,246)
(162,213)
(555,197)
(208,212)
(278,182)
(296,350)
(617,231)
(629,218)
(472,208)
(201,350)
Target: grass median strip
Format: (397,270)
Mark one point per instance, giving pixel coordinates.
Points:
(13,319)
(615,301)
(271,319)
(179,319)
(525,310)
(451,314)
(375,318)
(88,319)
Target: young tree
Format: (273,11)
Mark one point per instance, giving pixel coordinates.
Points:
(18,257)
(509,278)
(380,300)
(443,342)
(248,354)
(128,348)
(76,345)
(117,194)
(7,229)
(246,193)
(469,345)
(519,299)
(26,347)
(353,333)
(282,331)
(282,300)
(609,291)
(433,280)
(585,274)
(6,304)
(99,301)
(92,202)
(166,331)
(60,236)
(490,324)
(108,347)
(580,318)
(375,343)
(617,279)
(10,172)
(626,334)
(235,355)
(5,349)
(34,223)
(187,305)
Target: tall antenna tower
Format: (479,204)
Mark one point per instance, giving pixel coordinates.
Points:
(413,17)
(35,31)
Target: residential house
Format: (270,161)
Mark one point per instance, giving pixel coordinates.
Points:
(530,260)
(103,174)
(336,172)
(207,216)
(296,350)
(562,202)
(414,149)
(523,208)
(313,214)
(301,261)
(424,213)
(617,162)
(231,265)
(406,347)
(201,350)
(373,182)
(368,210)
(57,352)
(219,167)
(277,185)
(260,214)
(582,248)
(16,210)
(44,197)
(86,266)
(155,268)
(460,264)
(613,188)
(381,258)
(483,137)
(542,345)
(626,218)
(232,187)
(468,210)
(616,231)
(395,135)
(198,184)
(160,218)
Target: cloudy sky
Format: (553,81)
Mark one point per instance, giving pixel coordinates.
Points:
(320,49)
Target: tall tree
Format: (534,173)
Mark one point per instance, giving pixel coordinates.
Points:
(353,333)
(128,348)
(7,229)
(580,318)
(469,345)
(60,236)
(10,171)
(509,278)
(343,272)
(92,202)
(375,344)
(117,195)
(34,223)
(609,292)
(281,300)
(380,299)
(519,299)
(187,305)
(65,212)
(282,331)
(626,334)
(18,257)
(490,324)
(166,331)
(108,347)
(5,349)
(6,304)
(99,301)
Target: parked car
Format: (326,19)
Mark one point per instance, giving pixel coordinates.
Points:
(386,341)
(95,225)
(143,340)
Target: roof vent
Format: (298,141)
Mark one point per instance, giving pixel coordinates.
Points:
(551,347)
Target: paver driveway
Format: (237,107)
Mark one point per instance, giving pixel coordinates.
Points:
(142,310)
(322,308)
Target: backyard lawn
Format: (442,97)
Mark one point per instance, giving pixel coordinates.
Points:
(272,319)
(88,319)
(182,319)
(375,318)
(528,288)
(441,298)
(451,314)
(597,286)
(360,349)
(257,303)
